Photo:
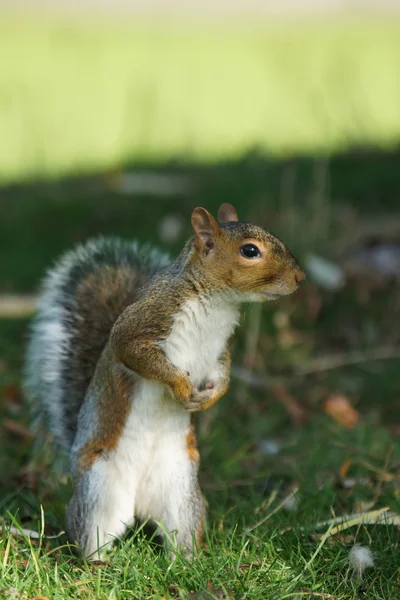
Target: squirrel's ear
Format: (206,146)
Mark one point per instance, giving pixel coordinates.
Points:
(205,229)
(227,213)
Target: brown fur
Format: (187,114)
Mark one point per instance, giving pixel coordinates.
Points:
(121,315)
(200,533)
(227,213)
(135,335)
(218,256)
(191,445)
(210,263)
(100,298)
(113,406)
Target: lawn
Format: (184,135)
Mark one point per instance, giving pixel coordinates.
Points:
(277,459)
(256,115)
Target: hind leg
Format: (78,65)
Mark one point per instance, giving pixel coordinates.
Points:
(173,495)
(101,507)
(183,521)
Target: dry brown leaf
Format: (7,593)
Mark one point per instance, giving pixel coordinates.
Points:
(101,564)
(11,396)
(395,428)
(17,429)
(40,598)
(24,562)
(81,586)
(173,589)
(319,594)
(339,408)
(344,468)
(256,563)
(12,593)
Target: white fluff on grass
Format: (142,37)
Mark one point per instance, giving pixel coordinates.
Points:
(360,558)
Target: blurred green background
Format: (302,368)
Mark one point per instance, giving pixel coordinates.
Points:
(121,123)
(84,94)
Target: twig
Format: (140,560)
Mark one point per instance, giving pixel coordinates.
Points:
(269,515)
(293,408)
(379,487)
(29,533)
(372,517)
(381,516)
(318,594)
(267,503)
(382,474)
(17,306)
(327,363)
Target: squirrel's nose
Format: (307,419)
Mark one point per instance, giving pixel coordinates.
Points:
(299,277)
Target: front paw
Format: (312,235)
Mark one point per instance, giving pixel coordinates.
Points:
(201,399)
(182,388)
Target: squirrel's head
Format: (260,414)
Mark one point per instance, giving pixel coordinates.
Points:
(243,258)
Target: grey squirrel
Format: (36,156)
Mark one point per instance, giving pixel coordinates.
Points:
(125,347)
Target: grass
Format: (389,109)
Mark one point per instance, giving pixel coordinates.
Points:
(83,98)
(158,89)
(255,445)
(276,560)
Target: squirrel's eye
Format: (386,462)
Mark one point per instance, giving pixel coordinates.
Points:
(250,251)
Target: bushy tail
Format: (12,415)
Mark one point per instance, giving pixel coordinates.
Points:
(81,299)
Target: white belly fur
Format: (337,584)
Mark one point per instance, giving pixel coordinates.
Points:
(199,335)
(152,448)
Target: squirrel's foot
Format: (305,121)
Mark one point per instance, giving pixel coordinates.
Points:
(181,388)
(200,399)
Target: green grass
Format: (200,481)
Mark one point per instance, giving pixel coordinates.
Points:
(81,96)
(283,557)
(276,560)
